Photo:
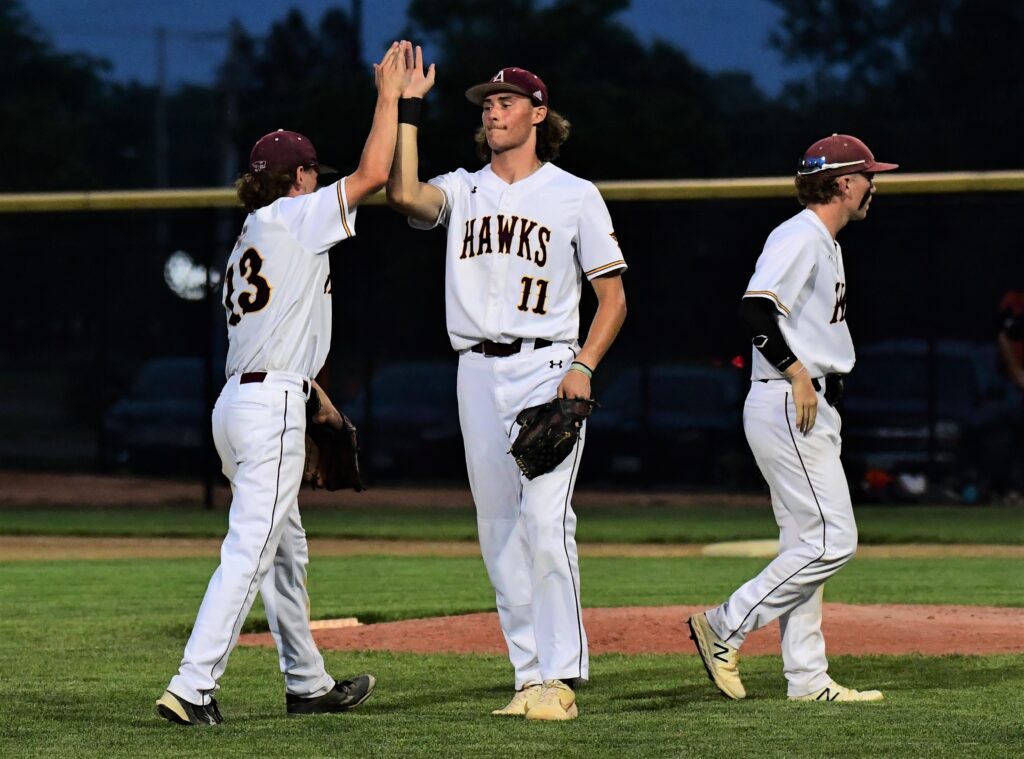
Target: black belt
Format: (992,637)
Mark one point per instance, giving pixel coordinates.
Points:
(833,387)
(491,348)
(248,377)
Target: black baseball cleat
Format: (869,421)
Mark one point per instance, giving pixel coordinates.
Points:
(176,709)
(345,695)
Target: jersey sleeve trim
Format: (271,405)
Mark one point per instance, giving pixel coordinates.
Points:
(620,264)
(344,215)
(426,225)
(770,295)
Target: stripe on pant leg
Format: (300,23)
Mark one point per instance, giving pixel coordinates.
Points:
(820,513)
(575,591)
(273,512)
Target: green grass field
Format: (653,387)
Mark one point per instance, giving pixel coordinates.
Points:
(87,646)
(640,524)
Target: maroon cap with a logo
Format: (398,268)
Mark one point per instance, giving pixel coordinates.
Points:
(511,79)
(841,154)
(282,151)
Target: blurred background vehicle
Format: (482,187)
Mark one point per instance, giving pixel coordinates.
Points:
(162,424)
(408,420)
(938,413)
(671,422)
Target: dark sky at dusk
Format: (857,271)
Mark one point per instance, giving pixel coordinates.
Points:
(717,34)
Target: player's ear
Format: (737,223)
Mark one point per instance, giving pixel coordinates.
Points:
(540,113)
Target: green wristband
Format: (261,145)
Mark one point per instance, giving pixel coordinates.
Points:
(582,369)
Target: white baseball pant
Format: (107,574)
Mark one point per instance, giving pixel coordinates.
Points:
(259,430)
(817,532)
(527,528)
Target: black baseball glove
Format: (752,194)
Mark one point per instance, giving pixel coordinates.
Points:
(332,452)
(547,434)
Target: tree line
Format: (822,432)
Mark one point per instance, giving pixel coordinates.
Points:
(933,85)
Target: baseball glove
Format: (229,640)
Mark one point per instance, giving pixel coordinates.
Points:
(332,455)
(547,434)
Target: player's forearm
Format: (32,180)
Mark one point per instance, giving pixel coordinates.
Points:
(608,320)
(379,150)
(404,180)
(406,193)
(762,322)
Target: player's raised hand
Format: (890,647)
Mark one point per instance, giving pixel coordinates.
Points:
(391,75)
(420,83)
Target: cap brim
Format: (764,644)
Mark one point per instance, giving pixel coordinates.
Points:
(877,166)
(477,93)
(326,175)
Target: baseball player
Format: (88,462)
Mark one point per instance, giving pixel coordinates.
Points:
(277,300)
(522,235)
(795,308)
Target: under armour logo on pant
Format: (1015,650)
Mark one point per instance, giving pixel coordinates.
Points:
(554,363)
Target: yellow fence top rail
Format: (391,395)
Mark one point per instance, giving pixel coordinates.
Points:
(899,183)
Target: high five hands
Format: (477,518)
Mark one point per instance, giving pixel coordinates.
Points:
(420,82)
(394,72)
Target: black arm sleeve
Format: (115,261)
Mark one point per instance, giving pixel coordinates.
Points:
(761,319)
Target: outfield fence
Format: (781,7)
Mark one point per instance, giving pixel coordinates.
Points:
(100,351)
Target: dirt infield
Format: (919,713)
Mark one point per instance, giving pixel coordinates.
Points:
(849,629)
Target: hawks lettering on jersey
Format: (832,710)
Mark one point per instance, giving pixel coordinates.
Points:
(518,253)
(839,312)
(529,239)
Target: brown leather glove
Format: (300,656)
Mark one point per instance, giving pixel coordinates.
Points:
(332,453)
(548,433)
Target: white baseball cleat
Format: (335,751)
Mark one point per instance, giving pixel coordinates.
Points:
(521,702)
(836,692)
(720,659)
(557,702)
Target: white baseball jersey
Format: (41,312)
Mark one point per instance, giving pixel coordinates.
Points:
(277,289)
(517,253)
(801,271)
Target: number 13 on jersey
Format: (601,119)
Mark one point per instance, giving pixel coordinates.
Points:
(257,293)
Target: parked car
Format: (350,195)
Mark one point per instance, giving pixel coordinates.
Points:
(162,423)
(886,410)
(409,421)
(671,423)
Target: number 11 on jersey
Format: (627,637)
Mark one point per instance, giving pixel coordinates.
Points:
(542,295)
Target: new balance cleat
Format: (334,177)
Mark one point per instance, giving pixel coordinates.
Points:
(176,709)
(836,692)
(720,659)
(345,695)
(556,702)
(525,698)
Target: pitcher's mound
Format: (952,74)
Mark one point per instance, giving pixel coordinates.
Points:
(848,628)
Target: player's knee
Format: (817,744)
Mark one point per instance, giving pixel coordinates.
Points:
(841,549)
(550,559)
(547,543)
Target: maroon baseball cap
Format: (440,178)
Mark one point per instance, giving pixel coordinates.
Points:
(841,154)
(284,151)
(511,79)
